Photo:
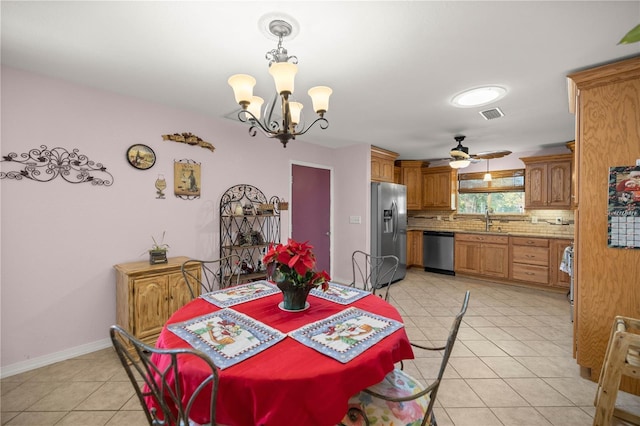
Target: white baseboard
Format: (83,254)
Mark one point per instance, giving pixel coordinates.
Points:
(21,367)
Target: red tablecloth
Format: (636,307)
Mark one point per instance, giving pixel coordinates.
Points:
(290,383)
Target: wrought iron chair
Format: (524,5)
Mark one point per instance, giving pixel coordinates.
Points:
(373,273)
(399,394)
(215,274)
(153,384)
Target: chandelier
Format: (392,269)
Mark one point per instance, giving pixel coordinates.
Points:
(283,69)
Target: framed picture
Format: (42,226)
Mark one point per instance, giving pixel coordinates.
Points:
(141,156)
(186,182)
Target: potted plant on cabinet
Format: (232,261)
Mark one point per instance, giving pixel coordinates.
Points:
(158,251)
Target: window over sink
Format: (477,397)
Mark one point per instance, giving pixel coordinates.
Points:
(503,194)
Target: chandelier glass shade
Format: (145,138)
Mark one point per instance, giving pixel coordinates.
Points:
(283,125)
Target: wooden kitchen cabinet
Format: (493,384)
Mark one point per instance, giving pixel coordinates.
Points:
(382,164)
(411,177)
(414,248)
(529,259)
(605,101)
(439,188)
(548,181)
(481,254)
(557,278)
(147,295)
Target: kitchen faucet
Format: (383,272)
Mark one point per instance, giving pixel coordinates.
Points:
(487,221)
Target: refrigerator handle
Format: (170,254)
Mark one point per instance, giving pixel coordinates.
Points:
(394,212)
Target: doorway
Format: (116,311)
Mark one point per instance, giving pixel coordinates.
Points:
(311,211)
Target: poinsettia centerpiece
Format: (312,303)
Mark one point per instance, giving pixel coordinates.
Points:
(294,263)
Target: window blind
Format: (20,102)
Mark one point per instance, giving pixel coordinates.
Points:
(502,181)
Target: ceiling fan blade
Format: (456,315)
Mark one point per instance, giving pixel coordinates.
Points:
(489,155)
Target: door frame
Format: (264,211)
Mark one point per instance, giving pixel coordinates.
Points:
(331,193)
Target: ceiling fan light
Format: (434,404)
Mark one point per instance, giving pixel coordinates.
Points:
(242,85)
(487,177)
(459,164)
(478,96)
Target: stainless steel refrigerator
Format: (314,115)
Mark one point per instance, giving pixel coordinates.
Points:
(389,223)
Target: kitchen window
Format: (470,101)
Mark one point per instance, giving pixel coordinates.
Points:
(503,194)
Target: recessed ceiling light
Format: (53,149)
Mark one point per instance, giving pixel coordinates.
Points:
(478,96)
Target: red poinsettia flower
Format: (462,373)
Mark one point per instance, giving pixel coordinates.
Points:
(294,262)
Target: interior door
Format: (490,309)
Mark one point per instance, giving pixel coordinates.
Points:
(311,211)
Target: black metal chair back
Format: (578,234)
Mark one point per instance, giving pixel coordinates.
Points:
(358,415)
(171,402)
(373,273)
(215,274)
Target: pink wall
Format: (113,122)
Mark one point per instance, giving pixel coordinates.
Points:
(61,240)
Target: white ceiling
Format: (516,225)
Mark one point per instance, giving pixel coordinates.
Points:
(393,66)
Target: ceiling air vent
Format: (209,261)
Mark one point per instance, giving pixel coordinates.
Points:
(492,113)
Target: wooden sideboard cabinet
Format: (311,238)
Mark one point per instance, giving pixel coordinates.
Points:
(485,255)
(439,188)
(147,295)
(548,181)
(382,164)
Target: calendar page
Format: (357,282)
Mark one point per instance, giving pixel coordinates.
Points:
(624,207)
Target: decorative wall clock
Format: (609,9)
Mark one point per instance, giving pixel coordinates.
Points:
(141,156)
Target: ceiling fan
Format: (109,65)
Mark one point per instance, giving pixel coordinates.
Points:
(460,157)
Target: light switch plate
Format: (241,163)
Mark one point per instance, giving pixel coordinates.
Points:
(355,219)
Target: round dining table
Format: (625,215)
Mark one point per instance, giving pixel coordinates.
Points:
(289,383)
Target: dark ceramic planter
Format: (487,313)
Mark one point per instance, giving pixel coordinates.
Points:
(293,298)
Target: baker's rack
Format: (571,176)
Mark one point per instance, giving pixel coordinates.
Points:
(249,223)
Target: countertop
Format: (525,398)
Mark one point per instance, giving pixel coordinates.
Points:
(508,234)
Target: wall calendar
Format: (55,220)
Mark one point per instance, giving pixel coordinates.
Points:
(624,207)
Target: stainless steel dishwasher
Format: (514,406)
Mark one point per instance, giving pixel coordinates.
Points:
(437,252)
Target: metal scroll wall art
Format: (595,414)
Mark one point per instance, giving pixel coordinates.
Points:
(44,165)
(186,179)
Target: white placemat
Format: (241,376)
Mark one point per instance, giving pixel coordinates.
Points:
(227,336)
(240,293)
(340,293)
(347,334)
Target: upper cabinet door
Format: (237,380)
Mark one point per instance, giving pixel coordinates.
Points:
(559,173)
(535,185)
(548,182)
(382,165)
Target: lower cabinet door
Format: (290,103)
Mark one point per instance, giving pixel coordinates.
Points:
(150,306)
(467,257)
(495,260)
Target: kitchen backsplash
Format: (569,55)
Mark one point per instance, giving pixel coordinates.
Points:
(557,223)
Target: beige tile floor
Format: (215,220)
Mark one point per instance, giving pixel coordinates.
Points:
(511,366)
